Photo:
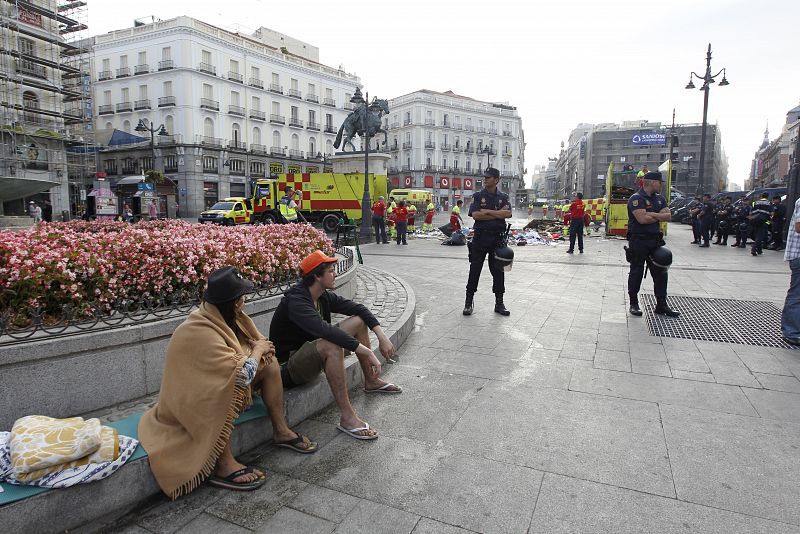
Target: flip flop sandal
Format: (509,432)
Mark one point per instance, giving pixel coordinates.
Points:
(228,481)
(354,432)
(388,389)
(292,444)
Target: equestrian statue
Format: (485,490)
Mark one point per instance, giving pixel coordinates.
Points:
(365,121)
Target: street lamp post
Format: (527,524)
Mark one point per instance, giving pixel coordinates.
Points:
(162,131)
(707,79)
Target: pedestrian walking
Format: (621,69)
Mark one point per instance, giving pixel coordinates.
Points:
(577,210)
(401,221)
(490,208)
(379,220)
(152,210)
(646,210)
(790,318)
(759,216)
(544,210)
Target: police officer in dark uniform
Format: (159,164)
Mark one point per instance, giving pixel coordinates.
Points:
(742,225)
(646,209)
(778,221)
(490,208)
(722,220)
(694,214)
(706,218)
(759,217)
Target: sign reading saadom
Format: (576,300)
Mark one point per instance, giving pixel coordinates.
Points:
(649,138)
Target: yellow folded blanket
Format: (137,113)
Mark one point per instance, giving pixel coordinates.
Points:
(41,445)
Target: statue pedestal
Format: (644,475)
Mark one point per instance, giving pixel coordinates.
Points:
(353,163)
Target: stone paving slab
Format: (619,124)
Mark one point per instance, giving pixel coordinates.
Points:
(744,464)
(568,505)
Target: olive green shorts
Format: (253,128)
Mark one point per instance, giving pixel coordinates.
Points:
(305,364)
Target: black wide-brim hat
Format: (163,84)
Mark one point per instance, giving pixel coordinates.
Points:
(226,284)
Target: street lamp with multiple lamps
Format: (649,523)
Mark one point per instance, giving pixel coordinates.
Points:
(707,80)
(162,131)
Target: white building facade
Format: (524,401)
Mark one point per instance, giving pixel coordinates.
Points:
(235,107)
(442,142)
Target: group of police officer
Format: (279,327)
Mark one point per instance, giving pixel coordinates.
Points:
(763,221)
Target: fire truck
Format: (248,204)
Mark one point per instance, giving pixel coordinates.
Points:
(324,198)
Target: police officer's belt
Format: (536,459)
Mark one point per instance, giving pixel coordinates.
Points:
(488,233)
(643,237)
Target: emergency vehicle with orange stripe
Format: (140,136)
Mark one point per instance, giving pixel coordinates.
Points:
(324,198)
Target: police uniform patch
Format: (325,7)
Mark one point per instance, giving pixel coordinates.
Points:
(483,200)
(635,202)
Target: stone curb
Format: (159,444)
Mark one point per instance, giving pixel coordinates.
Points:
(59,510)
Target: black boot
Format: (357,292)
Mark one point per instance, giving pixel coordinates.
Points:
(499,307)
(468,304)
(635,309)
(663,309)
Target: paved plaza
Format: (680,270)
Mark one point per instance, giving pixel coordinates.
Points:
(567,416)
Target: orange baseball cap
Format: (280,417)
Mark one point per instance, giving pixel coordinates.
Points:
(314,260)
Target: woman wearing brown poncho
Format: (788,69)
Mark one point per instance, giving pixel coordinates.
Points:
(215,359)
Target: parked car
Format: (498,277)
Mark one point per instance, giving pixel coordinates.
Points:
(682,214)
(755,194)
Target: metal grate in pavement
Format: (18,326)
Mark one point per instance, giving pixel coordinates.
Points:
(745,322)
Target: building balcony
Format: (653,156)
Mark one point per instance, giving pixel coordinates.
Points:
(123,72)
(29,68)
(104,75)
(407,145)
(430,122)
(313,126)
(430,145)
(105,109)
(507,133)
(207,103)
(235,77)
(163,140)
(469,150)
(258,149)
(237,145)
(255,82)
(235,110)
(394,148)
(457,148)
(275,88)
(277,151)
(312,98)
(166,65)
(394,125)
(329,129)
(429,167)
(492,131)
(295,93)
(444,147)
(141,69)
(469,128)
(349,106)
(329,102)
(405,168)
(258,115)
(277,119)
(480,129)
(166,101)
(142,104)
(457,127)
(407,122)
(295,154)
(506,154)
(295,122)
(207,68)
(124,106)
(446,124)
(214,142)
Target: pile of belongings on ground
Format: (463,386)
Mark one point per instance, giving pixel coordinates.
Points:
(58,453)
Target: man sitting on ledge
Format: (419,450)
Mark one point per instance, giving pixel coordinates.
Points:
(215,360)
(306,342)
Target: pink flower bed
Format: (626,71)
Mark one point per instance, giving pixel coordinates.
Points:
(93,264)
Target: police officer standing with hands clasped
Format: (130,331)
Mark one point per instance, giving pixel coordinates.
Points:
(646,209)
(490,208)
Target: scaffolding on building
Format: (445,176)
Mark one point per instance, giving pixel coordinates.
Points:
(45,102)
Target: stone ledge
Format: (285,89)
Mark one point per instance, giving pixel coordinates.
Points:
(59,510)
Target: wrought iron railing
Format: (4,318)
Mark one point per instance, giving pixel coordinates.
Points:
(43,325)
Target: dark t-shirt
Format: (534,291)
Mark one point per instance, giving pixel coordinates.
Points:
(491,201)
(651,204)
